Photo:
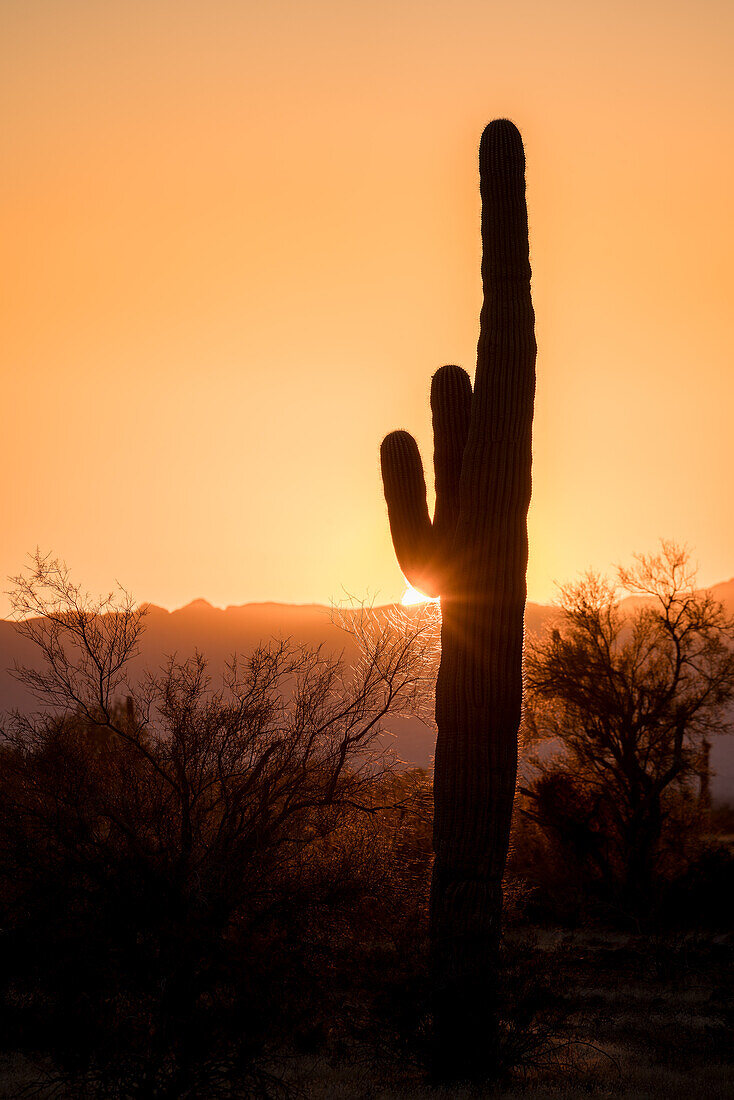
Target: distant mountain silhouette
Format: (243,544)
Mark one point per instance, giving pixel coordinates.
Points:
(218,633)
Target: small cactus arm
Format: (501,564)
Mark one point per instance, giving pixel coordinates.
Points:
(474,555)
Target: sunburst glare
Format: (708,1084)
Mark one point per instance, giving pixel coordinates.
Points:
(412,596)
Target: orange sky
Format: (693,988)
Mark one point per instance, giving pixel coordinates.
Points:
(240,237)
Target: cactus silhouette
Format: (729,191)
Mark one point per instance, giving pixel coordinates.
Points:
(474,555)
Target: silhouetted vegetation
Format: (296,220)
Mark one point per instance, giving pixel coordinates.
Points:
(222,889)
(630,694)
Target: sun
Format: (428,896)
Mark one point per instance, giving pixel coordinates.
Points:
(412,596)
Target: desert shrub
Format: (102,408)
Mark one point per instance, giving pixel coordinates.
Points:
(701,895)
(564,866)
(148,968)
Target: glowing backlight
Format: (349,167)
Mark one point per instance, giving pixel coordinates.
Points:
(412,596)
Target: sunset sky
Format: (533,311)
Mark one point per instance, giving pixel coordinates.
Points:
(240,237)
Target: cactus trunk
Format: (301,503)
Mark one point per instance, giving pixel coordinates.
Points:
(474,555)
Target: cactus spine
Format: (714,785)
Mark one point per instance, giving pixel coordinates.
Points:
(474,555)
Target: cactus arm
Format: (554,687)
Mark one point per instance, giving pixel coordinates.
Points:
(451,400)
(407,508)
(422,547)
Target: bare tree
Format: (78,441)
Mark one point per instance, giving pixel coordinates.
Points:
(633,690)
(86,644)
(280,702)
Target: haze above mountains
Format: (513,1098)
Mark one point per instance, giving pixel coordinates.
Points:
(220,632)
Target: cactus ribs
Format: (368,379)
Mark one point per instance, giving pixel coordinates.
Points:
(474,555)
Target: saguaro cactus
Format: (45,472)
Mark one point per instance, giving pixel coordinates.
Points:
(474,555)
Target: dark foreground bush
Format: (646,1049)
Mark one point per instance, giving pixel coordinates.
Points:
(562,868)
(144,971)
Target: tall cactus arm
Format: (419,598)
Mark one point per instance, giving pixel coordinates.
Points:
(451,400)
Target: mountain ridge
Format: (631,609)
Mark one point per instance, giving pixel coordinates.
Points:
(218,633)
